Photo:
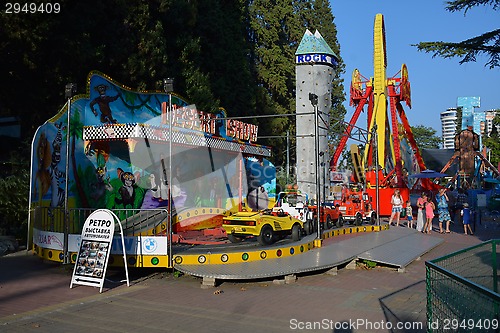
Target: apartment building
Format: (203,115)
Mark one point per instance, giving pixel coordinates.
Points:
(449,127)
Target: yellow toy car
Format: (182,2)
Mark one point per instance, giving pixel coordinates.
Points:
(267,225)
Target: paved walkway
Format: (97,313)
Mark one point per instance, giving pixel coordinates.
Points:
(35,297)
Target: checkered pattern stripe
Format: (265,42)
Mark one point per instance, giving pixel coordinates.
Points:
(222,144)
(179,136)
(115,131)
(185,137)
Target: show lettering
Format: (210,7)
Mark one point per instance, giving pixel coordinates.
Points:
(190,118)
(316,58)
(97,233)
(99,229)
(100,223)
(241,131)
(48,239)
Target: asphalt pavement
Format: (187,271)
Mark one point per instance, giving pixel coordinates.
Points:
(35,297)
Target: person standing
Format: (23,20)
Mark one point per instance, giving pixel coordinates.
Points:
(429,215)
(443,212)
(397,206)
(420,212)
(466,218)
(409,214)
(460,201)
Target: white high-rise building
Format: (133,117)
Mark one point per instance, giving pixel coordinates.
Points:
(490,115)
(449,127)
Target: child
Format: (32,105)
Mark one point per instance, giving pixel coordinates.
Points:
(420,212)
(429,214)
(409,214)
(466,218)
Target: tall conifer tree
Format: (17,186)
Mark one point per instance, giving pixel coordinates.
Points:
(277,28)
(236,54)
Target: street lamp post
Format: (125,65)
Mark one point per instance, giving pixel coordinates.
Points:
(69,91)
(287,157)
(314,101)
(323,173)
(168,87)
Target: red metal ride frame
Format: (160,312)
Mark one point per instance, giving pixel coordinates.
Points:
(359,97)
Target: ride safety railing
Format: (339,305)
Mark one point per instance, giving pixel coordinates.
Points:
(462,290)
(54,233)
(134,221)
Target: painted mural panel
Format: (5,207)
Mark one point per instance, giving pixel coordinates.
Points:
(124,148)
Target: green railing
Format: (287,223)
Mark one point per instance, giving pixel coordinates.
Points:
(462,290)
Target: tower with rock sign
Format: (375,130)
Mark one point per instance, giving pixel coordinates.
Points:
(315,65)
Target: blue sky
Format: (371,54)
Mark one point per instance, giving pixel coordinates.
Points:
(435,82)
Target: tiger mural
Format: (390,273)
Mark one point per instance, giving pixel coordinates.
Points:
(57,177)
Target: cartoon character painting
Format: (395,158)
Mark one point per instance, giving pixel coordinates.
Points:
(127,191)
(114,164)
(103,102)
(42,174)
(101,184)
(128,195)
(57,176)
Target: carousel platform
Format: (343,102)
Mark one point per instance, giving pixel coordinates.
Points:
(395,246)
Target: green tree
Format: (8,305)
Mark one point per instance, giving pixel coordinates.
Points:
(14,192)
(274,34)
(487,43)
(492,142)
(345,161)
(425,137)
(235,54)
(276,29)
(318,15)
(225,49)
(203,45)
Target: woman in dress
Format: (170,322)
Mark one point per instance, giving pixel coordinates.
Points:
(443,212)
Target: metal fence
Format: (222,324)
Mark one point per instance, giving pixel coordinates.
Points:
(134,221)
(462,290)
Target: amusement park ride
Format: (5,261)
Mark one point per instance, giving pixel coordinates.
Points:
(469,160)
(391,153)
(165,168)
